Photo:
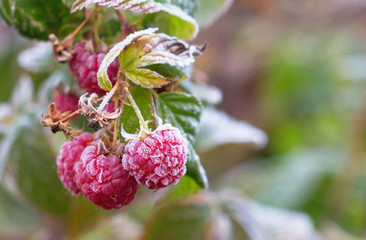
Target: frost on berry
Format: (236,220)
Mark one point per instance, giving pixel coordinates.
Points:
(102,179)
(69,155)
(84,65)
(65,102)
(158,160)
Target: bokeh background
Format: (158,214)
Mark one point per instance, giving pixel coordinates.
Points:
(297,71)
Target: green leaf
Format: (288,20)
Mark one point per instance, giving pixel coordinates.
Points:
(32,160)
(129,120)
(148,59)
(172,21)
(183,111)
(189,6)
(217,128)
(186,187)
(103,79)
(35,18)
(209,10)
(171,17)
(179,222)
(167,71)
(14,216)
(134,5)
(195,169)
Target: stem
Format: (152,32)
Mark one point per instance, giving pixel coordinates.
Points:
(71,115)
(71,37)
(122,22)
(108,97)
(95,29)
(137,110)
(115,132)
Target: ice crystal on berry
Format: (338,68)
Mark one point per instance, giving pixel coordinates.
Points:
(102,179)
(84,65)
(69,155)
(157,160)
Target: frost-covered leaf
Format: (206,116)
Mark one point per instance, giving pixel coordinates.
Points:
(167,15)
(37,59)
(145,6)
(210,10)
(172,21)
(208,94)
(183,111)
(217,128)
(23,92)
(189,6)
(263,222)
(149,59)
(35,18)
(297,176)
(6,144)
(103,79)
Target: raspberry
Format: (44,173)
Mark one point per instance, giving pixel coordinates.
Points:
(69,155)
(65,102)
(102,179)
(84,65)
(158,160)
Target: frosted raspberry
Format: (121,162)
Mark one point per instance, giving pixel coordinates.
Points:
(102,179)
(65,102)
(69,155)
(158,160)
(84,65)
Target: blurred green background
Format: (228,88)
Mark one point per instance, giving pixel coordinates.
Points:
(296,70)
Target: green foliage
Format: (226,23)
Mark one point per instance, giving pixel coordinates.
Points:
(14,216)
(208,10)
(35,18)
(143,99)
(187,186)
(179,221)
(171,24)
(33,163)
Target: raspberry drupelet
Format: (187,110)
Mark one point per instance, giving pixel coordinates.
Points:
(102,179)
(84,65)
(69,155)
(157,160)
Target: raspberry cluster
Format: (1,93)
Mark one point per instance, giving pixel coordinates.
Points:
(156,161)
(99,178)
(84,65)
(91,166)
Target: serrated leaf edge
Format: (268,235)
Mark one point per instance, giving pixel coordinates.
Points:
(103,80)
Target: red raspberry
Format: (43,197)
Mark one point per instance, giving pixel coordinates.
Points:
(103,180)
(158,160)
(69,155)
(65,102)
(84,65)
